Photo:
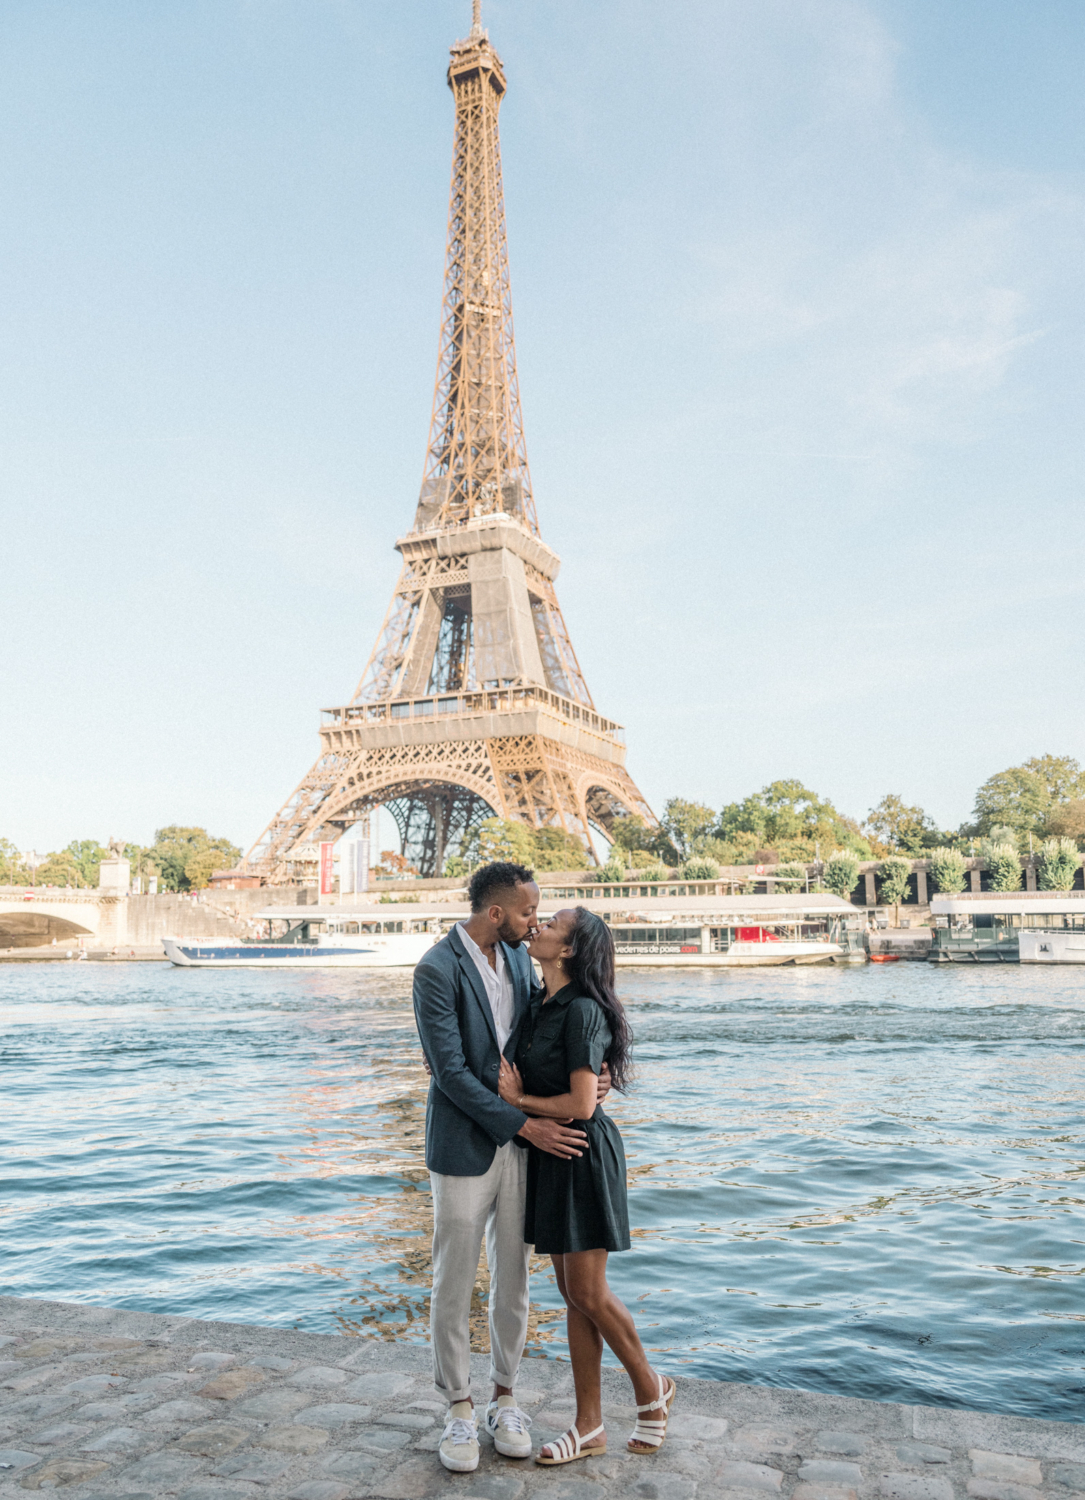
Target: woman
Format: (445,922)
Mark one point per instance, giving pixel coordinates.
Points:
(576,1208)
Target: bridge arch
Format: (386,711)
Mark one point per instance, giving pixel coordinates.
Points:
(35,929)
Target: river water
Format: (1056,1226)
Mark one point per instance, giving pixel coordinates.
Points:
(869,1181)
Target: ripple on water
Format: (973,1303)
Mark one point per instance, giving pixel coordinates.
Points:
(867,1181)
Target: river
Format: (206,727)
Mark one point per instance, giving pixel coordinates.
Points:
(869,1181)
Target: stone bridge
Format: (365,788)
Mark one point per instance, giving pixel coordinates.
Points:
(97,919)
(32,918)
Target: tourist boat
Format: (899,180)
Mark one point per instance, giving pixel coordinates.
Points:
(363,937)
(1028,927)
(727,931)
(691,932)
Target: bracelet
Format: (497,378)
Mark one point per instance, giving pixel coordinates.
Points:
(520,1103)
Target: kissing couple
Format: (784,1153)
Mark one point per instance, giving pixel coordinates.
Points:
(519,1149)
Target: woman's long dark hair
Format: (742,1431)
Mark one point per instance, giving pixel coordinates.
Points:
(590,967)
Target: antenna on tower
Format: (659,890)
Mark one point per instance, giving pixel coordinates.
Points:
(476,19)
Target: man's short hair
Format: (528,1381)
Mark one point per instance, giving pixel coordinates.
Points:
(494,880)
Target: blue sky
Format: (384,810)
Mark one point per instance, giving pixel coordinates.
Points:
(798,299)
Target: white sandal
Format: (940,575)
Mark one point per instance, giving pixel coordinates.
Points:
(570,1446)
(653,1433)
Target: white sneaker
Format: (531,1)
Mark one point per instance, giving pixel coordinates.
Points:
(459,1441)
(508,1426)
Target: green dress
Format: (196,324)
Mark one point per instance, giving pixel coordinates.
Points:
(580,1203)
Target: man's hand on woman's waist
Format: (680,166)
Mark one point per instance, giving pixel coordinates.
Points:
(554,1137)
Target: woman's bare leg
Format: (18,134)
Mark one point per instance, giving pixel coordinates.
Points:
(586,1353)
(583,1283)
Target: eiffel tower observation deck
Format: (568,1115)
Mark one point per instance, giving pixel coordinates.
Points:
(473,704)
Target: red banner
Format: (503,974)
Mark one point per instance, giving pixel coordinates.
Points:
(326,853)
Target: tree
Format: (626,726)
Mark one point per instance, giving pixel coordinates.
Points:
(557,850)
(896,873)
(630,832)
(684,822)
(500,838)
(1025,797)
(61,868)
(394,866)
(612,873)
(700,869)
(12,869)
(1068,820)
(175,847)
(1058,865)
(1003,865)
(788,817)
(791,875)
(895,825)
(203,865)
(88,855)
(948,869)
(841,873)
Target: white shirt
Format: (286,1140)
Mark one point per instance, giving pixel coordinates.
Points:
(498,986)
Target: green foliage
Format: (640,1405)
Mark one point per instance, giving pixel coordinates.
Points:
(61,869)
(790,876)
(202,866)
(895,825)
(1058,864)
(710,847)
(1025,797)
(504,838)
(499,838)
(700,869)
(788,817)
(1003,865)
(895,873)
(612,873)
(12,869)
(684,822)
(630,833)
(557,850)
(87,855)
(841,873)
(176,847)
(948,869)
(1068,820)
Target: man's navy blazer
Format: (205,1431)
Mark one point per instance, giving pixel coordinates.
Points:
(466,1119)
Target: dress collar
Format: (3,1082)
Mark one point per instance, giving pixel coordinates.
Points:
(562,996)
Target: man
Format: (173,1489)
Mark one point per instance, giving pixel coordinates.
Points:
(470,991)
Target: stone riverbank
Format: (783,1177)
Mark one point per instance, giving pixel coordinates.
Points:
(118,1405)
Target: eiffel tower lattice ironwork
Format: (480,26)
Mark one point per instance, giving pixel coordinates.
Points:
(473,703)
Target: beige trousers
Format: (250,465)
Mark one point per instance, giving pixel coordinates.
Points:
(463,1209)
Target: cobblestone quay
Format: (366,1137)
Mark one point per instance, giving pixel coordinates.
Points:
(120,1405)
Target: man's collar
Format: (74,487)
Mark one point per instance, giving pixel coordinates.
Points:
(476,952)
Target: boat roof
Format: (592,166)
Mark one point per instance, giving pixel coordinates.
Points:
(700,908)
(1008,903)
(376,911)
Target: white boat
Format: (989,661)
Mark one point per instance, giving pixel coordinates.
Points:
(1030,927)
(724,932)
(654,932)
(369,937)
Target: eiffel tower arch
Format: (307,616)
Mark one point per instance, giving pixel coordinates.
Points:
(472,704)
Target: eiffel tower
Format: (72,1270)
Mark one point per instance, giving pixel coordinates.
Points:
(473,704)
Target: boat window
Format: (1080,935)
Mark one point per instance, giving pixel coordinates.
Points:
(352,928)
